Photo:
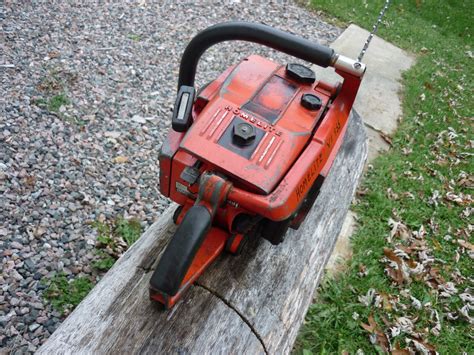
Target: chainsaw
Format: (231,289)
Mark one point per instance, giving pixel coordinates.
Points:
(248,153)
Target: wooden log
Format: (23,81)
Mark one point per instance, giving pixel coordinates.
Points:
(252,303)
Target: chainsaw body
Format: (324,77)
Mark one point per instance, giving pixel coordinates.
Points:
(248,153)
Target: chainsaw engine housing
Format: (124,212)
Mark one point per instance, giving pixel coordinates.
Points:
(248,153)
(250,125)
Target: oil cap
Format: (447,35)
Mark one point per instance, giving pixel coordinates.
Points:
(311,102)
(300,73)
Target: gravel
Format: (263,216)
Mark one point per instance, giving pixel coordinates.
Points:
(87,89)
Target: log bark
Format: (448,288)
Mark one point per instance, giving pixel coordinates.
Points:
(252,303)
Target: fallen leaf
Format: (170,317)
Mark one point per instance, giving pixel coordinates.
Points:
(466,181)
(461,199)
(371,326)
(464,311)
(362,270)
(368,298)
(408,195)
(398,229)
(465,244)
(52,54)
(386,138)
(400,352)
(434,278)
(435,318)
(120,159)
(386,302)
(437,245)
(395,274)
(447,289)
(30,180)
(422,347)
(415,303)
(390,254)
(377,337)
(391,195)
(362,192)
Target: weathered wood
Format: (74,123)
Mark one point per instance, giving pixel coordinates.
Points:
(253,303)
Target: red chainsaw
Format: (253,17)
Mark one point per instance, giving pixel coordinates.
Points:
(248,153)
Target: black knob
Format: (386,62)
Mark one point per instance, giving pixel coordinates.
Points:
(311,102)
(300,73)
(243,134)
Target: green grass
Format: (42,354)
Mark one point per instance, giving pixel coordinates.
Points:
(437,95)
(104,262)
(114,238)
(134,37)
(54,88)
(64,294)
(129,229)
(55,103)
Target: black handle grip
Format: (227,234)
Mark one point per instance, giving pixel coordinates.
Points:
(250,32)
(181,250)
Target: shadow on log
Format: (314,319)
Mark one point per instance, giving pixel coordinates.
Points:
(252,303)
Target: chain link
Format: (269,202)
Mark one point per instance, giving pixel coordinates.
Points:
(374,30)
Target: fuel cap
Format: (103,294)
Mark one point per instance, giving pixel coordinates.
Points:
(243,134)
(311,102)
(300,73)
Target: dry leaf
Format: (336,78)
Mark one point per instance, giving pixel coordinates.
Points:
(461,199)
(447,289)
(398,229)
(120,159)
(465,244)
(30,180)
(371,326)
(386,302)
(400,352)
(362,192)
(391,195)
(377,337)
(362,270)
(422,347)
(54,54)
(386,138)
(367,299)
(390,254)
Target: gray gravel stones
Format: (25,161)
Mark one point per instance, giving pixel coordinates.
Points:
(84,84)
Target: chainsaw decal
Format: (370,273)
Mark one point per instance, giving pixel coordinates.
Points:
(269,161)
(211,121)
(310,176)
(252,119)
(272,140)
(334,135)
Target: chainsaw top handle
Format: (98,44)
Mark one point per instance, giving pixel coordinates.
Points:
(250,32)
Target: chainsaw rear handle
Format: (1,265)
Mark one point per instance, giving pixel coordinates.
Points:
(181,250)
(250,32)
